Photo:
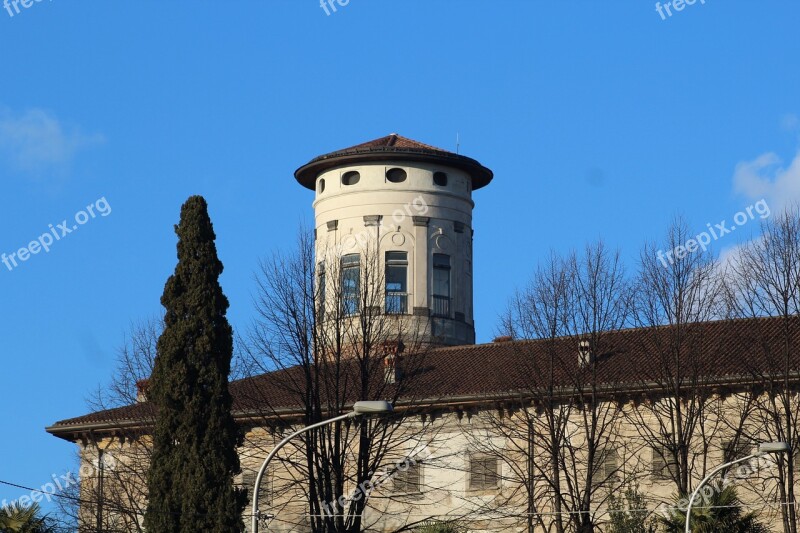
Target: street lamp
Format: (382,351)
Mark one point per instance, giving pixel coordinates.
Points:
(763,448)
(359,409)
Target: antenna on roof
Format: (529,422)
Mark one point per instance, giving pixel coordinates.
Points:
(458,143)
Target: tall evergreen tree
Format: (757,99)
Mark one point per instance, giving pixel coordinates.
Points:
(190,481)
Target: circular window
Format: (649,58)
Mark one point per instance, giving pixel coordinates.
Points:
(440,179)
(322,185)
(396,175)
(351,178)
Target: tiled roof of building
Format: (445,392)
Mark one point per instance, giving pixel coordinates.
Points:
(396,148)
(629,361)
(392,140)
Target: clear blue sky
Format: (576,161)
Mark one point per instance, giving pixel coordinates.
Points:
(598,119)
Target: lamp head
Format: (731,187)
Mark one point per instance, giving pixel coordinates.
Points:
(372,408)
(773,447)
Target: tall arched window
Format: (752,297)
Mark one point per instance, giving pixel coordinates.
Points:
(321,291)
(396,282)
(441,285)
(351,281)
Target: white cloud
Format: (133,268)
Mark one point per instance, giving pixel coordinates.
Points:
(730,255)
(767,177)
(36,142)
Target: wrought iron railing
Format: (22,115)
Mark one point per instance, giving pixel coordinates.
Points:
(396,303)
(441,306)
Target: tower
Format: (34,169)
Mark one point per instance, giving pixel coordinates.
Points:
(395,216)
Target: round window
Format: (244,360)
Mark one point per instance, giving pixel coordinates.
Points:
(351,178)
(322,185)
(440,179)
(396,175)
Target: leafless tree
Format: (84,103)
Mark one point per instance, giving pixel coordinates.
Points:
(326,336)
(113,467)
(676,291)
(764,281)
(564,420)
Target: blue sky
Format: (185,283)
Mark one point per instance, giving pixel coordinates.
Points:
(599,119)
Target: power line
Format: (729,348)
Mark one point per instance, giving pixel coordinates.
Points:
(106,501)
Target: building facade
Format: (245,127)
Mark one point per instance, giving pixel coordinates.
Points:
(492,436)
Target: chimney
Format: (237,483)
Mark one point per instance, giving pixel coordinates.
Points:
(584,353)
(391,372)
(503,338)
(391,362)
(141,391)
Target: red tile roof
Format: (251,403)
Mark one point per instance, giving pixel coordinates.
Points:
(396,148)
(392,140)
(628,362)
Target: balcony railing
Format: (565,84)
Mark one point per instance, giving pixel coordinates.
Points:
(396,303)
(441,306)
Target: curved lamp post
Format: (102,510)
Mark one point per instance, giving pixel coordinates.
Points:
(359,409)
(763,448)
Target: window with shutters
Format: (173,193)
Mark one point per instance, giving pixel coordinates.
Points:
(663,463)
(484,472)
(407,479)
(606,469)
(733,449)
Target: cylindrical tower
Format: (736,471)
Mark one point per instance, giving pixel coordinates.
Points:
(395,215)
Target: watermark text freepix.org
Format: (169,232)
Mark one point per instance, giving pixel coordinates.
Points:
(9,4)
(56,233)
(326,4)
(666,9)
(416,207)
(59,483)
(703,239)
(365,489)
(706,494)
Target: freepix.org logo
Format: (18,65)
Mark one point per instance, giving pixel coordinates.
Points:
(56,233)
(704,239)
(12,6)
(59,483)
(330,5)
(666,9)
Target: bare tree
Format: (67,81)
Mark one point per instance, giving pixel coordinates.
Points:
(764,281)
(564,420)
(113,467)
(326,336)
(676,292)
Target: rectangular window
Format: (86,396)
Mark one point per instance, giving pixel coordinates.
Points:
(606,466)
(321,291)
(408,481)
(483,472)
(663,464)
(441,285)
(351,282)
(736,450)
(396,282)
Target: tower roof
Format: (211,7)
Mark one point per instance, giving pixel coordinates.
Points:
(397,148)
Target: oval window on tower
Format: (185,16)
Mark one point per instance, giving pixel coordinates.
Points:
(440,179)
(351,178)
(322,185)
(396,175)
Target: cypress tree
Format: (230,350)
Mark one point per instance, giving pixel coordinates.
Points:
(190,481)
